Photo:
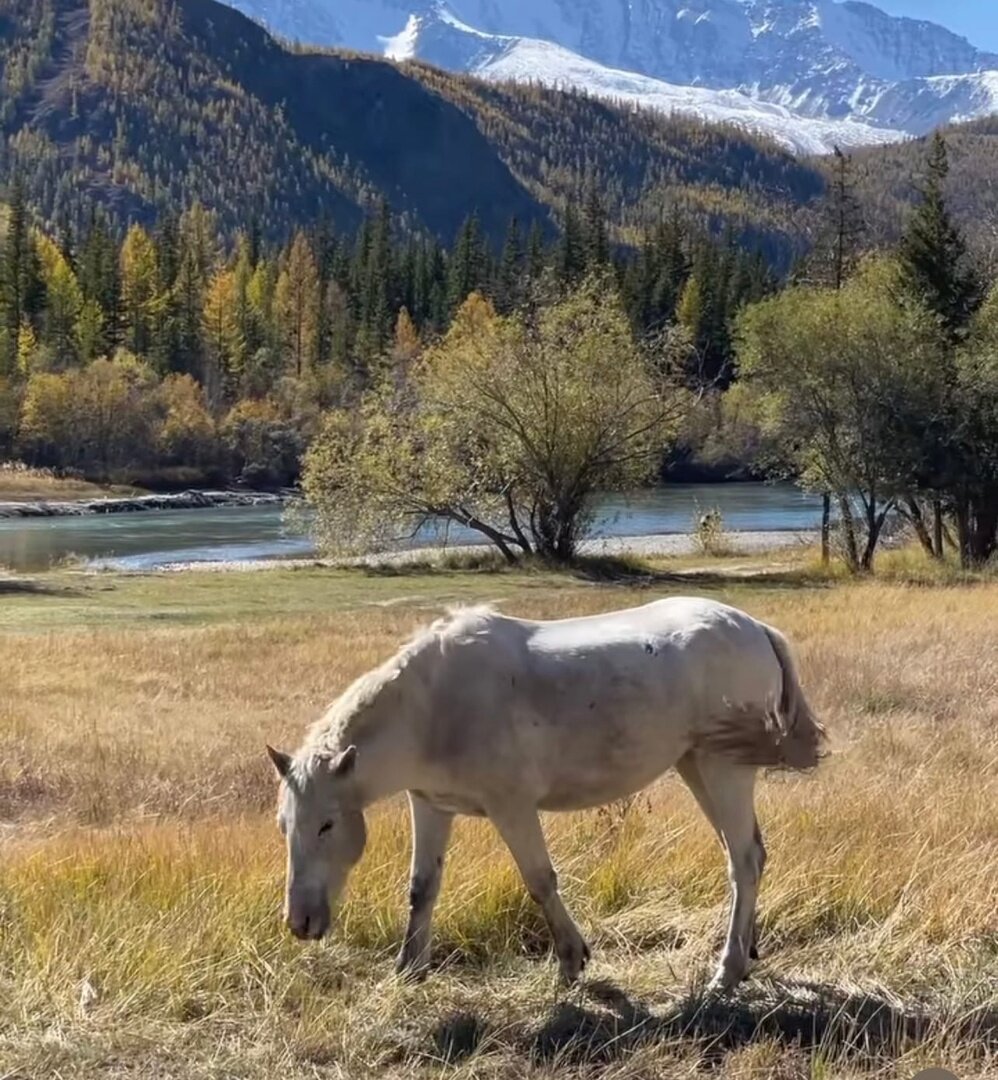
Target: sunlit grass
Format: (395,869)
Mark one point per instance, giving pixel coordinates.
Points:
(141,870)
(22,483)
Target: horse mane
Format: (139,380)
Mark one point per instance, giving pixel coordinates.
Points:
(344,719)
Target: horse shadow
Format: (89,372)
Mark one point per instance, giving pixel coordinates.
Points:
(609,570)
(13,586)
(606,1025)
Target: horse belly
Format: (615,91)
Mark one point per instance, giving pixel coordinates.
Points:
(601,758)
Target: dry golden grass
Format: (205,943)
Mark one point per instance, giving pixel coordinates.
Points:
(20,483)
(141,873)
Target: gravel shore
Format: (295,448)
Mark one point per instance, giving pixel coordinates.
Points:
(181,500)
(741,543)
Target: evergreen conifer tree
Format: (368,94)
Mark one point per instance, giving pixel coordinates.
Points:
(935,267)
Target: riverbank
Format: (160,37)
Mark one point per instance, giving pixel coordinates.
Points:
(618,547)
(181,500)
(222,526)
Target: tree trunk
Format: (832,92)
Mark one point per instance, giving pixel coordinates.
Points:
(462,517)
(826,526)
(914,512)
(874,523)
(963,531)
(982,540)
(937,529)
(849,533)
(514,524)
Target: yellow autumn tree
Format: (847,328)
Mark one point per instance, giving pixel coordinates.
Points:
(138,289)
(297,302)
(27,348)
(222,337)
(185,433)
(63,303)
(49,430)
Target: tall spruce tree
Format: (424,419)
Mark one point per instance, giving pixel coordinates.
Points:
(21,289)
(935,266)
(536,255)
(595,235)
(468,264)
(937,271)
(100,282)
(509,279)
(840,236)
(672,269)
(377,291)
(571,263)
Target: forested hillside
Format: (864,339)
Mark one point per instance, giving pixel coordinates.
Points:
(643,164)
(185,352)
(141,105)
(888,180)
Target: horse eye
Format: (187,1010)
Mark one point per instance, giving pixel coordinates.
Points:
(326,827)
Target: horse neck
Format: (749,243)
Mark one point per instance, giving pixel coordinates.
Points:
(385,741)
(381,770)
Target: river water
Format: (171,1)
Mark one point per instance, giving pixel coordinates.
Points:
(154,538)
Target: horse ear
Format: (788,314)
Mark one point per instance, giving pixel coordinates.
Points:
(343,764)
(281,761)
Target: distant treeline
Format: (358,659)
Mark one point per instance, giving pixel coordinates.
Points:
(178,351)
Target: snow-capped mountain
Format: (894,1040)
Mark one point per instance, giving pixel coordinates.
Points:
(808,72)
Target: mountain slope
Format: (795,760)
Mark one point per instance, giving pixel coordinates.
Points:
(865,75)
(642,164)
(520,59)
(138,103)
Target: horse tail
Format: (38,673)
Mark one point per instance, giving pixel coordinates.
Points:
(783,735)
(801,734)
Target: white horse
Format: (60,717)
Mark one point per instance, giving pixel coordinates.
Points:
(499,717)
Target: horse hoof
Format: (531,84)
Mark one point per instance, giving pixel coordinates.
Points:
(410,971)
(724,982)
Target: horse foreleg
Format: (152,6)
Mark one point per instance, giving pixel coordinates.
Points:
(725,793)
(430,832)
(520,828)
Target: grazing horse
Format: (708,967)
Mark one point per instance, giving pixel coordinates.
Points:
(498,717)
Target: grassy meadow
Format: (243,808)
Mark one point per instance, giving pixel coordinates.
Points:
(20,483)
(141,872)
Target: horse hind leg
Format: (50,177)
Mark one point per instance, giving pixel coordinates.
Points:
(760,854)
(725,793)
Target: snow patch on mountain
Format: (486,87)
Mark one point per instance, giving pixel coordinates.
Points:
(403,45)
(808,72)
(521,59)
